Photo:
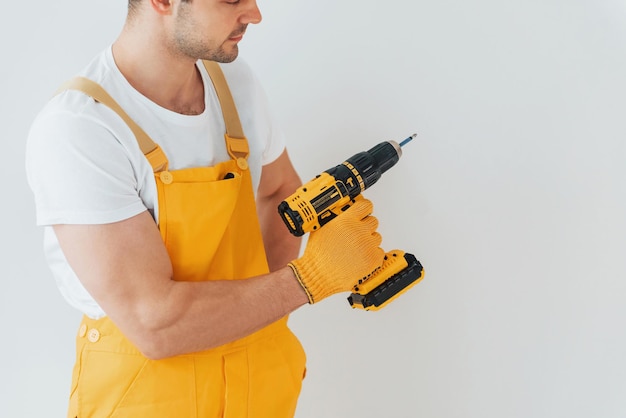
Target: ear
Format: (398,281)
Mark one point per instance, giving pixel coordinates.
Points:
(162,7)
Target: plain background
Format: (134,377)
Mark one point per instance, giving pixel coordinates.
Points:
(512,197)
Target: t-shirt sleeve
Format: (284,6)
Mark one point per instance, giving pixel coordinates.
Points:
(275,144)
(78,171)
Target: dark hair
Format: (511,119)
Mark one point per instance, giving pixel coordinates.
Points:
(132,4)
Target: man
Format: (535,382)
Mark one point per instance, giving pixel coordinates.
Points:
(148,174)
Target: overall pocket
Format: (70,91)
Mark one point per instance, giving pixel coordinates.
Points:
(121,385)
(193,217)
(277,367)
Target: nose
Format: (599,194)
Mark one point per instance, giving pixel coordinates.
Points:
(253,14)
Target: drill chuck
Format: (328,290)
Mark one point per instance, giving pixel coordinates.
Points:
(365,168)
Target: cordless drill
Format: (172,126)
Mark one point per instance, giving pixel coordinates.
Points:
(327,195)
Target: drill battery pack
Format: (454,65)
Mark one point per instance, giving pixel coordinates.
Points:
(400,271)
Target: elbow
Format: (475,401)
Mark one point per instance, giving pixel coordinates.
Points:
(154,346)
(151,335)
(152,352)
(150,342)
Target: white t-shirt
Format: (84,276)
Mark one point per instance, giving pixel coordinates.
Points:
(84,165)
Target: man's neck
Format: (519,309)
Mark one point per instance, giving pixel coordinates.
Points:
(172,82)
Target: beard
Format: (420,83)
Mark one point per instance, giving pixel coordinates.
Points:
(206,50)
(189,42)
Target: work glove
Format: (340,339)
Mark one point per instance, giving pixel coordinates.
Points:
(343,251)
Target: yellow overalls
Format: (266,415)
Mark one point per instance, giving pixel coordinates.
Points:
(207,219)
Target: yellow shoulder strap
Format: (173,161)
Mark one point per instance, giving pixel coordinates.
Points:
(236,142)
(151,149)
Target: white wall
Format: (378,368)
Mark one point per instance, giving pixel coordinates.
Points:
(512,197)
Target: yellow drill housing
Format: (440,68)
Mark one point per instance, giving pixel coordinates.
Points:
(314,204)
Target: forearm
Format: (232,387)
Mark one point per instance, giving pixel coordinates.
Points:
(186,317)
(280,246)
(278,181)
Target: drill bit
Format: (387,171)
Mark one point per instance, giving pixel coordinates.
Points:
(409,139)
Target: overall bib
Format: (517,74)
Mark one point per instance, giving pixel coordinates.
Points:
(208,222)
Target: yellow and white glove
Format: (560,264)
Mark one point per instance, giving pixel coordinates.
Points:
(345,250)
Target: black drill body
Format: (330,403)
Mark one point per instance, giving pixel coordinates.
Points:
(362,170)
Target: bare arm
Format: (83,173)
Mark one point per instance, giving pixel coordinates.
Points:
(127,270)
(278,180)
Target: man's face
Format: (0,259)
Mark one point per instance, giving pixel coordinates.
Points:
(211,29)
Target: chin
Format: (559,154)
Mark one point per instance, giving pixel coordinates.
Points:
(224,56)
